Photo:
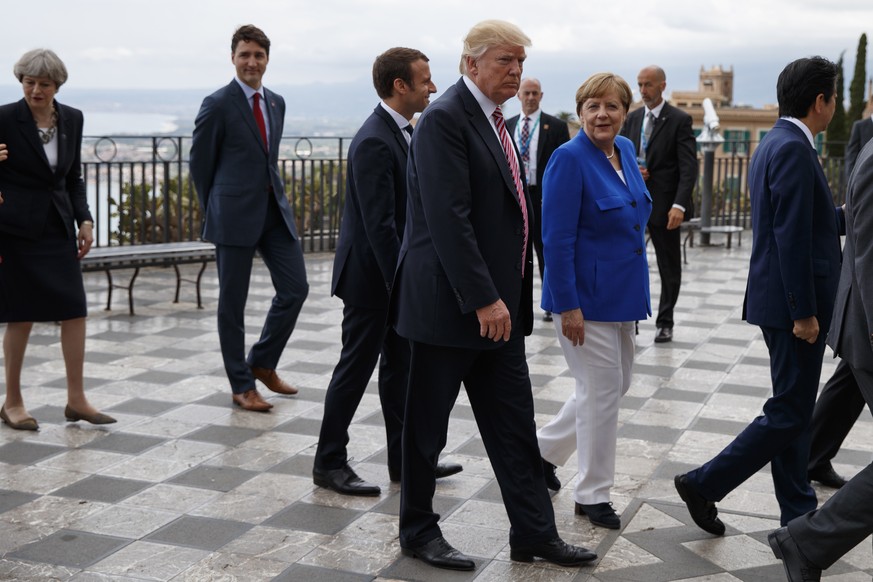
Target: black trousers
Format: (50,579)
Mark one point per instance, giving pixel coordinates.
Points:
(668,252)
(498,387)
(365,337)
(838,407)
(846,519)
(536,226)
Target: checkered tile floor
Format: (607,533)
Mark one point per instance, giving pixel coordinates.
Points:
(184,487)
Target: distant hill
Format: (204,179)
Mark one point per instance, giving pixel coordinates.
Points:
(318,109)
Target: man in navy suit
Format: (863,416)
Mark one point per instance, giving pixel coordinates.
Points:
(862,132)
(234,165)
(793,276)
(537,137)
(463,297)
(363,272)
(663,137)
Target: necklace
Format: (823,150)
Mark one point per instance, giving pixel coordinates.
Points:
(49,134)
(612,155)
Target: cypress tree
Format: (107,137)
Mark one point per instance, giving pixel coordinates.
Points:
(838,131)
(859,82)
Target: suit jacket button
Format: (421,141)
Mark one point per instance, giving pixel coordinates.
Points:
(634,204)
(518,266)
(519,230)
(637,227)
(639,251)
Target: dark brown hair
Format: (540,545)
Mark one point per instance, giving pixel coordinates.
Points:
(250,33)
(395,63)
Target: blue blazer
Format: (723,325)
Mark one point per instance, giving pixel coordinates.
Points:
(28,184)
(594,233)
(795,263)
(464,230)
(374,213)
(233,173)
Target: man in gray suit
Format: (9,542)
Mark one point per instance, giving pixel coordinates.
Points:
(812,542)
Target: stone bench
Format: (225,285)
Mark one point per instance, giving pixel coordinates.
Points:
(136,257)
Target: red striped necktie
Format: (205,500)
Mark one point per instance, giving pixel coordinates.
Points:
(516,176)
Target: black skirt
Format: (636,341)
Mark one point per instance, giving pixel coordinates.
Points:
(41,280)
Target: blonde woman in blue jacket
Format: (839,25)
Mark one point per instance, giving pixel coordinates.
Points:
(595,209)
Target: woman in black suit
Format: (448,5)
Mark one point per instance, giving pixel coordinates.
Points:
(42,197)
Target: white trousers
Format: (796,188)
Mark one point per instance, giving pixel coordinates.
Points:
(588,421)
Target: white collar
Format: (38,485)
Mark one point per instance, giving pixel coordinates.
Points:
(401,121)
(656,111)
(533,116)
(249,92)
(803,127)
(488,106)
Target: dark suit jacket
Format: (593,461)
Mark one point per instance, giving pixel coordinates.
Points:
(232,172)
(671,158)
(28,184)
(464,230)
(552,133)
(795,263)
(374,213)
(862,132)
(851,334)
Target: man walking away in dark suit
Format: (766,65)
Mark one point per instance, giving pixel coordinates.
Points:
(463,297)
(667,158)
(363,272)
(793,275)
(234,165)
(536,137)
(813,542)
(840,403)
(862,132)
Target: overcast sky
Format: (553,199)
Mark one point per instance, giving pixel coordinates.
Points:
(186,44)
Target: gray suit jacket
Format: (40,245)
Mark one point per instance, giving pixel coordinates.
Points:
(851,332)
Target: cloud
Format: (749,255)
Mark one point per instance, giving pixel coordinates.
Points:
(119,53)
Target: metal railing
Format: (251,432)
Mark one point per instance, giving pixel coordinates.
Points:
(730,201)
(140,191)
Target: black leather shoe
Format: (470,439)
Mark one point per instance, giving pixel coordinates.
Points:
(826,476)
(551,476)
(703,512)
(797,567)
(447,469)
(440,554)
(664,335)
(442,470)
(344,481)
(556,551)
(601,514)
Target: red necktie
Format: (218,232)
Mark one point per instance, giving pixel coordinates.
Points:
(516,176)
(259,119)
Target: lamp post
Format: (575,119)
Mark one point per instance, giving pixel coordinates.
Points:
(709,139)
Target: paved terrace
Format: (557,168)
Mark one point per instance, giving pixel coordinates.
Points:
(184,487)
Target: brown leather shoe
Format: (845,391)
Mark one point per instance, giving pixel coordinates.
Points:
(251,400)
(271,380)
